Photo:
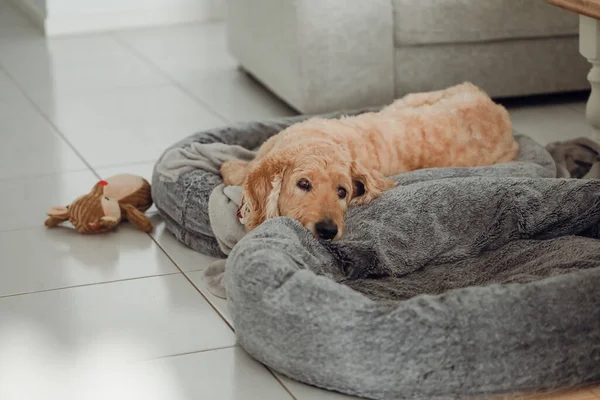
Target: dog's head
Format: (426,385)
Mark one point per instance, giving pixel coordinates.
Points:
(312,186)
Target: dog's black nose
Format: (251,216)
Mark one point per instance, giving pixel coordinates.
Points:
(326,229)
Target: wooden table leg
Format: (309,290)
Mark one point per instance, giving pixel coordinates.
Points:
(589,47)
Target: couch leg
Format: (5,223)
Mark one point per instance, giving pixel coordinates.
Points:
(589,47)
(592,109)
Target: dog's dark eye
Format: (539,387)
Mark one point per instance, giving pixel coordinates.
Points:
(304,184)
(342,193)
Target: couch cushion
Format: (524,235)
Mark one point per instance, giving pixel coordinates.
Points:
(418,22)
(503,68)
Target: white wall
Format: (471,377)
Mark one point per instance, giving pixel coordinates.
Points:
(63,17)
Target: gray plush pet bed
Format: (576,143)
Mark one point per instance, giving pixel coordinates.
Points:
(459,282)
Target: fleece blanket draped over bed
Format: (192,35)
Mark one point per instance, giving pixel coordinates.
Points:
(458,282)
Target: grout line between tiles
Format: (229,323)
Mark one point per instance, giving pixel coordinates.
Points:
(190,352)
(217,349)
(218,313)
(52,124)
(191,283)
(280,382)
(87,284)
(126,45)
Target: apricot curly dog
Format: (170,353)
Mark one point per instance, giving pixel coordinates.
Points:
(313,170)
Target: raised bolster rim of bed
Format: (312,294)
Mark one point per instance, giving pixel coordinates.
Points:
(183,203)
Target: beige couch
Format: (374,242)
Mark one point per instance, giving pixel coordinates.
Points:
(323,55)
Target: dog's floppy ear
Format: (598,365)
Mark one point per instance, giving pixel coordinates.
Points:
(261,190)
(368,185)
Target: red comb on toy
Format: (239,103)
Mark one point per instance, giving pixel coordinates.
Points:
(103,183)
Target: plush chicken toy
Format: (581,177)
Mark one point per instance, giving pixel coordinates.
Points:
(120,197)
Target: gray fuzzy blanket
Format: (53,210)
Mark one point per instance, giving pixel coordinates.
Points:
(431,238)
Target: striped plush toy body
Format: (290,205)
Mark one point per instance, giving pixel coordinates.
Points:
(120,197)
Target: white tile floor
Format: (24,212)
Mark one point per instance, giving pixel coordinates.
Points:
(126,315)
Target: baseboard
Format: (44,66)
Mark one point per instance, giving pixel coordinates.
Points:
(59,25)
